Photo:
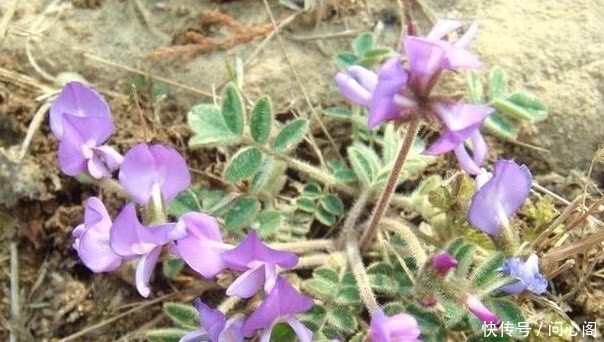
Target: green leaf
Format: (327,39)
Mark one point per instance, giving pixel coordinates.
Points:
(363,43)
(426,319)
(290,135)
(232,108)
(454,246)
(241,213)
(209,128)
(454,313)
(261,120)
(171,267)
(342,320)
(475,87)
(499,126)
(184,315)
(318,288)
(488,271)
(270,178)
(378,53)
(511,315)
(390,144)
(166,334)
(311,190)
(348,295)
(306,204)
(185,202)
(489,338)
(346,59)
(365,163)
(465,257)
(338,112)
(268,222)
(332,204)
(498,83)
(381,283)
(341,171)
(521,106)
(282,332)
(326,274)
(325,217)
(244,164)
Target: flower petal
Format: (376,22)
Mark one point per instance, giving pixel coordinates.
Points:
(248,283)
(144,271)
(77,99)
(253,249)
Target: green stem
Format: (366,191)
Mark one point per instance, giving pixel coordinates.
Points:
(386,195)
(358,270)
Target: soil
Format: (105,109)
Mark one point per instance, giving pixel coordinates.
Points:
(552,49)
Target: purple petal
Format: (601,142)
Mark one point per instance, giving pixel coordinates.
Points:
(129,238)
(391,79)
(481,312)
(89,129)
(202,247)
(212,320)
(148,167)
(304,334)
(500,197)
(77,99)
(443,28)
(110,157)
(248,283)
(357,84)
(253,249)
(92,239)
(71,158)
(232,329)
(198,335)
(425,62)
(527,273)
(465,39)
(400,327)
(443,262)
(144,271)
(282,302)
(458,116)
(466,161)
(449,140)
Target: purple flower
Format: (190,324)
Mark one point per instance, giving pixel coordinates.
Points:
(527,273)
(387,102)
(92,239)
(81,148)
(281,304)
(481,312)
(443,262)
(130,239)
(381,92)
(214,326)
(429,55)
(398,328)
(151,170)
(79,100)
(258,262)
(202,247)
(499,197)
(357,84)
(463,122)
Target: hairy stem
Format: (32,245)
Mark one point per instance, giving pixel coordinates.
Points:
(358,270)
(386,194)
(304,246)
(400,228)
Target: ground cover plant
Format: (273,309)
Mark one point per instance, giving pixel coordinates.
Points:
(375,239)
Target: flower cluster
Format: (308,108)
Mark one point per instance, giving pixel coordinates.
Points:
(153,175)
(398,93)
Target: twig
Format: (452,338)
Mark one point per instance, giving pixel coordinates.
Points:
(386,194)
(33,127)
(334,35)
(14,289)
(101,324)
(12,8)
